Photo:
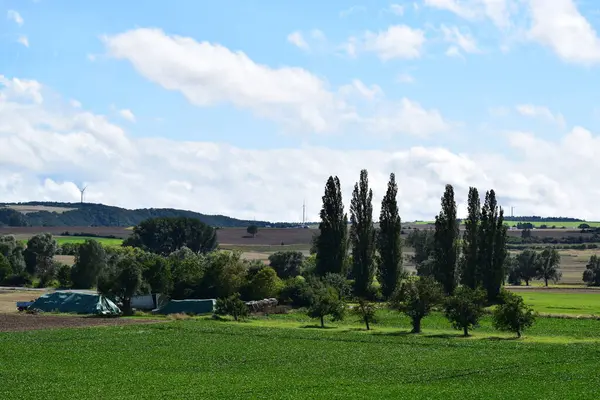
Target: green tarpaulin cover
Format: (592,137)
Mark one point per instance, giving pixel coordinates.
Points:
(188,306)
(75,302)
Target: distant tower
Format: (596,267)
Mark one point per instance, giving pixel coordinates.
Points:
(82,192)
(512,209)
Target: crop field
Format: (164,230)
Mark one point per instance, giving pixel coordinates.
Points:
(284,357)
(24,209)
(81,239)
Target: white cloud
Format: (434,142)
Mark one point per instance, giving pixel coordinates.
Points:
(45,151)
(405,78)
(464,41)
(15,16)
(352,10)
(498,11)
(398,41)
(530,110)
(397,9)
(75,103)
(297,40)
(23,40)
(127,114)
(208,74)
(560,26)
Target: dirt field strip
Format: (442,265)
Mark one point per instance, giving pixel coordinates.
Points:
(27,322)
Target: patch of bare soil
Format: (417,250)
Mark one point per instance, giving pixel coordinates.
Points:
(27,322)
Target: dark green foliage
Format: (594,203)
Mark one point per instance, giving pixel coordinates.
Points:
(512,314)
(422,242)
(591,275)
(470,254)
(362,235)
(90,214)
(63,275)
(224,275)
(297,292)
(492,248)
(232,305)
(339,283)
(13,251)
(288,264)
(326,302)
(165,235)
(464,308)
(332,241)
(122,282)
(366,311)
(90,261)
(187,270)
(389,242)
(446,236)
(416,298)
(526,264)
(42,248)
(157,274)
(548,262)
(5,268)
(264,284)
(252,230)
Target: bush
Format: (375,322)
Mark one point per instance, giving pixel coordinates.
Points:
(264,284)
(233,306)
(63,275)
(297,292)
(512,315)
(465,308)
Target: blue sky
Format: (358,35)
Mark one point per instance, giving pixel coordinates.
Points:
(420,88)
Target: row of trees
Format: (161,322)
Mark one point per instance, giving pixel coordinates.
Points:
(531,264)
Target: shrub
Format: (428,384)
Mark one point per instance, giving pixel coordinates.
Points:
(465,308)
(512,315)
(233,306)
(297,292)
(264,284)
(63,275)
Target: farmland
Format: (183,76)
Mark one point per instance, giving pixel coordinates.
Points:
(284,357)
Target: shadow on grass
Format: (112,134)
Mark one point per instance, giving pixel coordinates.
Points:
(498,338)
(397,333)
(315,326)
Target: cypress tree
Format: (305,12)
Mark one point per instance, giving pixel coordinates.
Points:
(332,242)
(389,241)
(362,235)
(470,257)
(446,242)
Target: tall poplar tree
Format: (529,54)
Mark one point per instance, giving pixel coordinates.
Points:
(389,241)
(362,235)
(446,242)
(470,254)
(332,242)
(492,249)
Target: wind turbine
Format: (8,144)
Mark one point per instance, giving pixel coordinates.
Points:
(82,191)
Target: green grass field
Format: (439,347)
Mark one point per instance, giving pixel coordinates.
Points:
(81,239)
(563,302)
(283,357)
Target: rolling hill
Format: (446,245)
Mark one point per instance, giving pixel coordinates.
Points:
(92,214)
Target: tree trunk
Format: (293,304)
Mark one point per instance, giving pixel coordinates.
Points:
(322,322)
(367,322)
(416,323)
(518,333)
(465,331)
(526,282)
(546,280)
(235,316)
(127,306)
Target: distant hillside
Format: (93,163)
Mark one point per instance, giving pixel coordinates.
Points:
(90,214)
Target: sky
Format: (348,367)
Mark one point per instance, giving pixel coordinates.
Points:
(245,108)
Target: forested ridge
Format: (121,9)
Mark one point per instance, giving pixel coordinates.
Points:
(92,214)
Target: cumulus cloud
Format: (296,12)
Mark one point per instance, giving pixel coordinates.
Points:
(397,41)
(208,74)
(559,25)
(15,16)
(127,114)
(297,40)
(498,11)
(46,151)
(531,110)
(460,40)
